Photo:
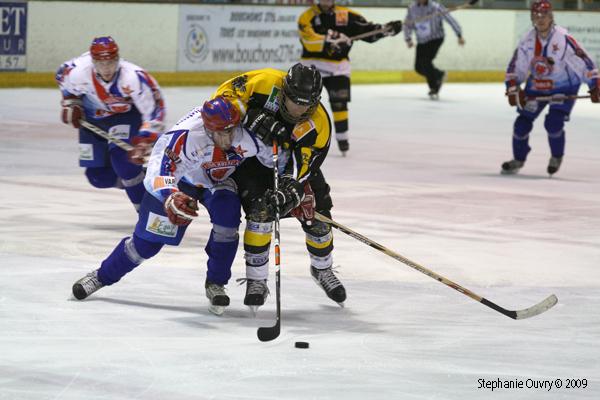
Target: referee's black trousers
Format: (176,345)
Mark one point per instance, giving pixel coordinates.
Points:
(426,52)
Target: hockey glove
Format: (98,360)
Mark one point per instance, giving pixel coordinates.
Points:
(336,43)
(72,110)
(265,126)
(142,145)
(306,210)
(288,196)
(393,28)
(516,97)
(181,208)
(595,95)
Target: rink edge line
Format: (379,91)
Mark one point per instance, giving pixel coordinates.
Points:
(210,78)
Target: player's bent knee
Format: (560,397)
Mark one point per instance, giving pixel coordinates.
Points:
(144,248)
(554,122)
(223,234)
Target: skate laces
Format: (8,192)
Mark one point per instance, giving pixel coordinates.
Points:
(254,286)
(91,282)
(215,290)
(327,278)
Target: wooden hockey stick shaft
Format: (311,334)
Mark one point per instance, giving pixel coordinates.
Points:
(103,134)
(538,308)
(558,97)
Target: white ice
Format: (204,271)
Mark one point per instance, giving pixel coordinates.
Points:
(421,178)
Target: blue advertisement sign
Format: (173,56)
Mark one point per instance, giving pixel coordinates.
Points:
(13,35)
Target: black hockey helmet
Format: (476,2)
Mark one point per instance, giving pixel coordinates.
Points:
(302,85)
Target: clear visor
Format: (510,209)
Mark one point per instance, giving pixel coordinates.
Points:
(295,110)
(222,139)
(106,68)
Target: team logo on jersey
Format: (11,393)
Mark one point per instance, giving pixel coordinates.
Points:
(196,44)
(541,66)
(160,225)
(222,165)
(239,83)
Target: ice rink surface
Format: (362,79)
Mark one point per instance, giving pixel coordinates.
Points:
(421,178)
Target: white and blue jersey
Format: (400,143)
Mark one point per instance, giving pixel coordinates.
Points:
(187,152)
(557,64)
(131,88)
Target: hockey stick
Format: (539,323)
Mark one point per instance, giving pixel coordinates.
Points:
(420,19)
(558,98)
(539,308)
(103,134)
(269,333)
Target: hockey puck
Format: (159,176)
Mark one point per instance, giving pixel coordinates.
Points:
(301,345)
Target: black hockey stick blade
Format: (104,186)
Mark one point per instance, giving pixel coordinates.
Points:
(532,311)
(268,333)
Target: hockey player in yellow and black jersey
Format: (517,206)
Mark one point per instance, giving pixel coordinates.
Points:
(325,34)
(285,106)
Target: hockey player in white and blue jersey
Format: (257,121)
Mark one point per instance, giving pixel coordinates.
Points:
(192,162)
(122,99)
(552,64)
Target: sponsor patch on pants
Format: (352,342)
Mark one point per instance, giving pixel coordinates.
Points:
(160,225)
(86,151)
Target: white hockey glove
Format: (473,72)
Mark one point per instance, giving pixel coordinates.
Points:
(181,208)
(72,110)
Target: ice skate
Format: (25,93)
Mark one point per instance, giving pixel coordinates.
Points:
(86,285)
(256,293)
(554,165)
(344,146)
(327,280)
(217,296)
(434,93)
(512,167)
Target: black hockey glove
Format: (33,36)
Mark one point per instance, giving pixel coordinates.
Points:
(265,126)
(288,196)
(393,28)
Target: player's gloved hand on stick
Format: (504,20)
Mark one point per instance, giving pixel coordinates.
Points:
(595,95)
(181,208)
(336,42)
(393,28)
(516,96)
(306,210)
(72,110)
(265,126)
(287,197)
(143,143)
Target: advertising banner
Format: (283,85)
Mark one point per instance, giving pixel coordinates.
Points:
(13,35)
(219,38)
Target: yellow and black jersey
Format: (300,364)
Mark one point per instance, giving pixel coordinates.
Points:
(310,139)
(313,25)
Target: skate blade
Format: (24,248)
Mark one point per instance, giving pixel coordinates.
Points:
(217,310)
(343,154)
(434,96)
(341,304)
(253,310)
(504,172)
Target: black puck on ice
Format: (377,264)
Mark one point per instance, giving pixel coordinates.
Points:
(301,345)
